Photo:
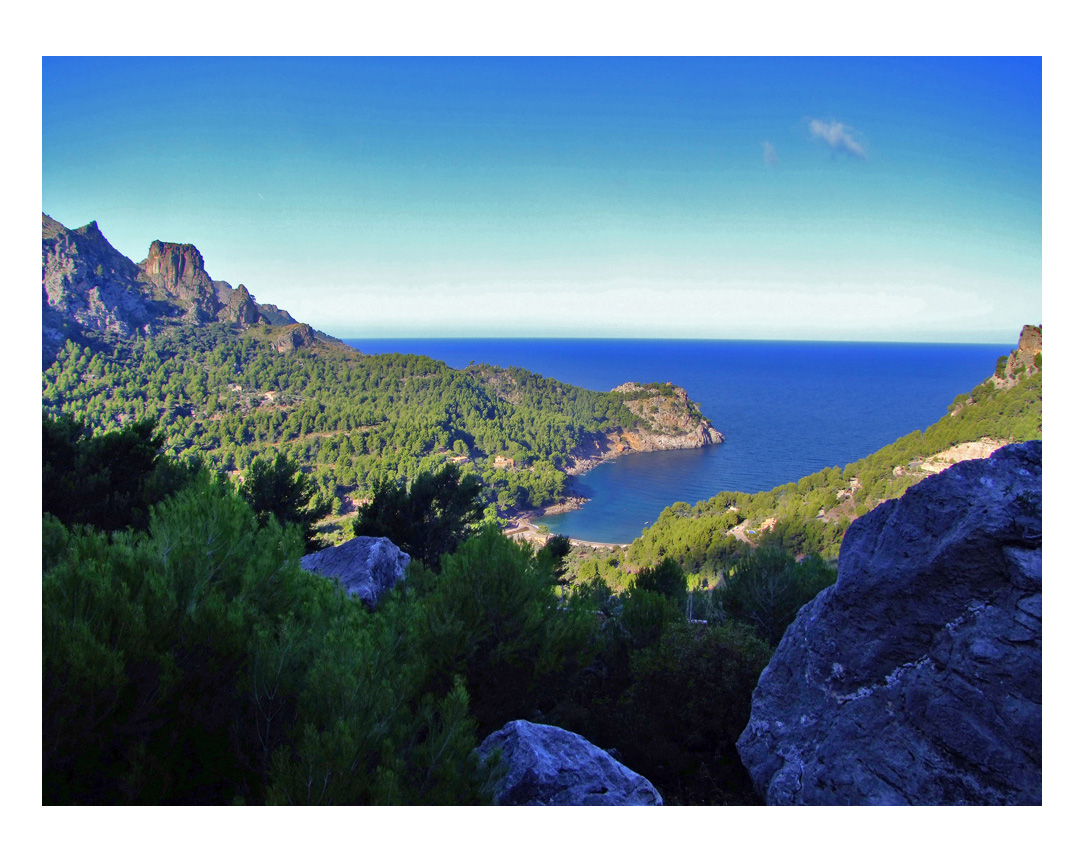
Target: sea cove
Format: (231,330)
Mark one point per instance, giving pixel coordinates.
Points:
(786,409)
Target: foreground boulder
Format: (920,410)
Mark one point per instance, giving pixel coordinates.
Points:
(916,678)
(366,566)
(550,766)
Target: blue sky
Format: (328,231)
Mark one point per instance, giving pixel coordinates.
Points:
(835,198)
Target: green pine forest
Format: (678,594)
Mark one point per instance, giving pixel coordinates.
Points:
(350,420)
(188,659)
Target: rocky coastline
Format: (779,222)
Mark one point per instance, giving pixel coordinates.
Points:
(670,422)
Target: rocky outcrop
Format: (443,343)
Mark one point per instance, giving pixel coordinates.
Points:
(367,567)
(549,766)
(1024,361)
(671,420)
(87,283)
(916,678)
(294,337)
(1031,341)
(275,316)
(176,272)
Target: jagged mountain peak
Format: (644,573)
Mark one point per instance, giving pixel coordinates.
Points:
(50,227)
(89,286)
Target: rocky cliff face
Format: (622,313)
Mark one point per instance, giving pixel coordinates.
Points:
(88,285)
(671,420)
(295,336)
(917,677)
(176,272)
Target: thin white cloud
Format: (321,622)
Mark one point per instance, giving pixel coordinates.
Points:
(837,136)
(771,159)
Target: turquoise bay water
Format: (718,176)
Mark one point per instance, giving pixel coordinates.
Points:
(786,409)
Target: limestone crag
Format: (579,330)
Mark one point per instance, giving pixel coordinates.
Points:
(916,678)
(87,283)
(176,270)
(367,567)
(295,336)
(275,316)
(549,766)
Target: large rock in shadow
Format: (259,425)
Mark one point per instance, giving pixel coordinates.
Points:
(549,766)
(916,678)
(366,566)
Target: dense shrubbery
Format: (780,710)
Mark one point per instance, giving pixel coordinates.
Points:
(109,481)
(665,579)
(277,488)
(766,589)
(688,703)
(189,659)
(491,617)
(669,695)
(197,663)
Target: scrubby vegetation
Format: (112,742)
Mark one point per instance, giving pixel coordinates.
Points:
(810,516)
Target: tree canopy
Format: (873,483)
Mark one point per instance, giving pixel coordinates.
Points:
(278,488)
(428,519)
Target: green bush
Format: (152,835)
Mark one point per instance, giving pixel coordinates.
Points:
(665,578)
(277,487)
(645,614)
(687,706)
(767,588)
(429,519)
(491,617)
(108,481)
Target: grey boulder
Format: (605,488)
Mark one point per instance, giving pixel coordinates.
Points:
(366,566)
(916,678)
(549,766)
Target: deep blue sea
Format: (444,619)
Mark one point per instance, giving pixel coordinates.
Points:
(786,409)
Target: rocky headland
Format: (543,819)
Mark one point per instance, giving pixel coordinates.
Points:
(91,291)
(667,420)
(1025,360)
